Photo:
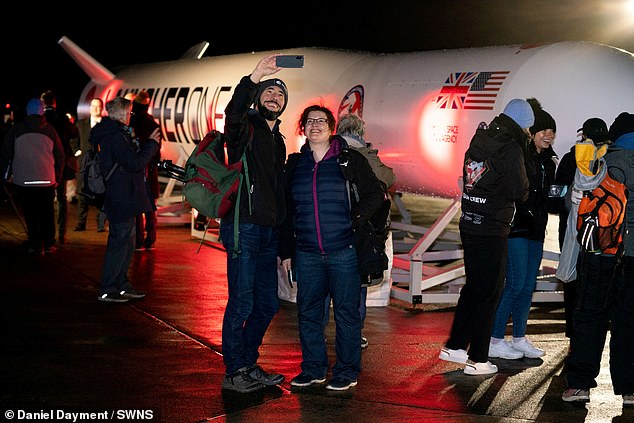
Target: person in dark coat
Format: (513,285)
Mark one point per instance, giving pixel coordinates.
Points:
(143,125)
(526,243)
(85,126)
(126,195)
(605,292)
(494,179)
(66,131)
(594,129)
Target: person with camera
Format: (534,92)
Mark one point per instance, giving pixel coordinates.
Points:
(126,195)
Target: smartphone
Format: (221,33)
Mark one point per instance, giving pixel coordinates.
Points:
(289,61)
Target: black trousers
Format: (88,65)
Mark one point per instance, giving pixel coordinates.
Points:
(485,267)
(38,206)
(605,301)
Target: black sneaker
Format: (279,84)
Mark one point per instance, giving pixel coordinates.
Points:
(269,379)
(576,395)
(340,384)
(364,342)
(50,250)
(132,294)
(304,379)
(32,251)
(240,381)
(80,228)
(113,297)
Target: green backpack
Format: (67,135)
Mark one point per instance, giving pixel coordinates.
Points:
(211,186)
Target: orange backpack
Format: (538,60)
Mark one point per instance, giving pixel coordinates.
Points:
(600,217)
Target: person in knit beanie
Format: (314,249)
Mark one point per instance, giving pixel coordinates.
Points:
(526,242)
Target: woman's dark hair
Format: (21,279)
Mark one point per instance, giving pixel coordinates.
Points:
(301,124)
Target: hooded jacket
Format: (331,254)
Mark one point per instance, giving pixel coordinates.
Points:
(494,178)
(126,192)
(34,152)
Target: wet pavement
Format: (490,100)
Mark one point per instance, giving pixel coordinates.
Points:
(159,359)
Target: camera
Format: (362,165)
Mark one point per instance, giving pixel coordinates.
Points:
(557,191)
(172,170)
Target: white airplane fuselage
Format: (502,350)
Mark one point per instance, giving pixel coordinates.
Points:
(421,109)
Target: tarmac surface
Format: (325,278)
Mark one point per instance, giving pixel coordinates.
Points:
(160,359)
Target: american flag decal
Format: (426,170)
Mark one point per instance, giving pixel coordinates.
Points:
(471,90)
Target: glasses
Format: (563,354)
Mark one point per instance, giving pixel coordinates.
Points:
(316,122)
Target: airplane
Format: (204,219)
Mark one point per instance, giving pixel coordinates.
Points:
(421,108)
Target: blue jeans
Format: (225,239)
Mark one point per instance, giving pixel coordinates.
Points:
(524,258)
(318,275)
(252,283)
(362,307)
(119,252)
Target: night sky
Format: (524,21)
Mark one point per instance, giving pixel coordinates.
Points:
(32,61)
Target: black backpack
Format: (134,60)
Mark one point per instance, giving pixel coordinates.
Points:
(93,181)
(370,237)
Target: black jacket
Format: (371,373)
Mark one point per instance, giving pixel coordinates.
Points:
(565,176)
(126,192)
(540,169)
(66,131)
(143,124)
(265,153)
(494,178)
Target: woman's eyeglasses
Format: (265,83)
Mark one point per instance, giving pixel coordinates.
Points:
(316,122)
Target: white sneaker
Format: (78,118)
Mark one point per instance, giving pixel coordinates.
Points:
(473,368)
(504,350)
(455,356)
(528,349)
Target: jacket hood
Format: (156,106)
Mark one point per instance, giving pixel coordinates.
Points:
(501,132)
(34,123)
(585,182)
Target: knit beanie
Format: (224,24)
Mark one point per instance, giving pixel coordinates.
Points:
(623,124)
(596,129)
(543,120)
(521,112)
(269,83)
(34,107)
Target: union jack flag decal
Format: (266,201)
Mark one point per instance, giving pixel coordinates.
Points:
(471,90)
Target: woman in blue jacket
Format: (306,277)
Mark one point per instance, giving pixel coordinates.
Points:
(319,236)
